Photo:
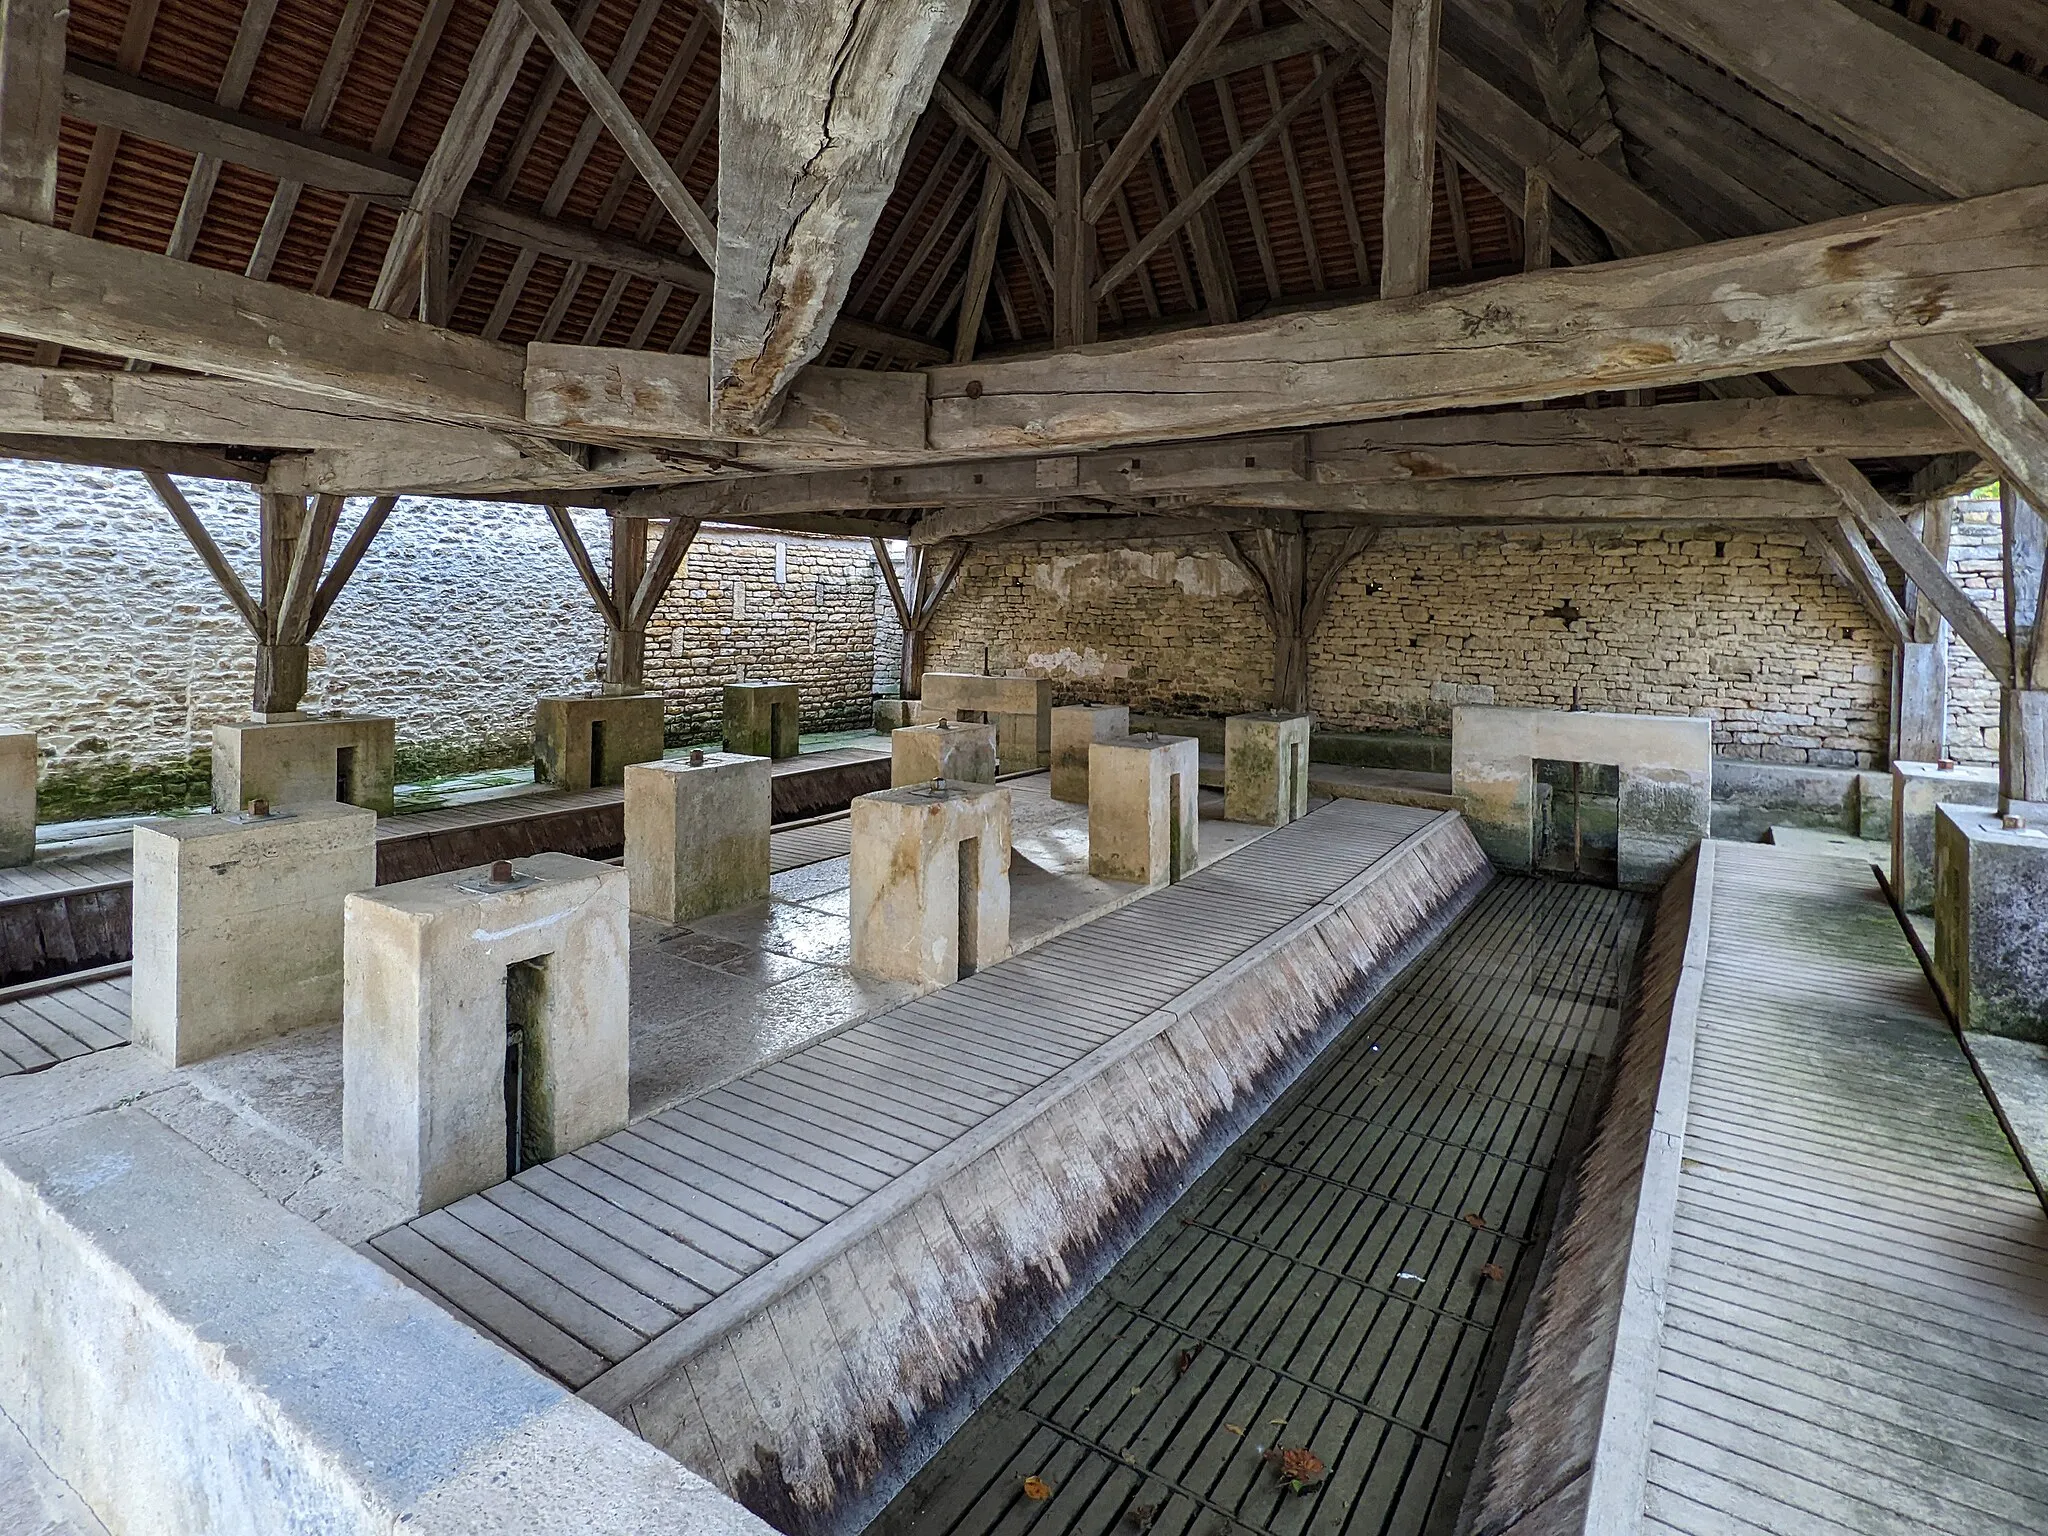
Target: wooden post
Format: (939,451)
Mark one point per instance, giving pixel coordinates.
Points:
(1411,148)
(1920,666)
(31,101)
(280,660)
(2023,714)
(1067,40)
(1293,583)
(625,650)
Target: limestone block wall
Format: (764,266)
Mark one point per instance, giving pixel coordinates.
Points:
(1168,629)
(1976,560)
(118,649)
(1741,624)
(755,607)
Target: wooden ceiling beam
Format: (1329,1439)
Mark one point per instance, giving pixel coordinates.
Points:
(1820,58)
(816,106)
(1166,94)
(31,104)
(284,197)
(988,223)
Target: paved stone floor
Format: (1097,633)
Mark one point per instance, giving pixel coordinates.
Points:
(1336,1285)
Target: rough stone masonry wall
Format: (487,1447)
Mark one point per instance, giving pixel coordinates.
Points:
(1976,558)
(1737,624)
(116,647)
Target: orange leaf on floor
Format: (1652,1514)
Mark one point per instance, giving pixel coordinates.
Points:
(1036,1487)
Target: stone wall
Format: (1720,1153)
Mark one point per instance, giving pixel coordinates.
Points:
(1976,558)
(117,648)
(1166,629)
(760,607)
(1738,624)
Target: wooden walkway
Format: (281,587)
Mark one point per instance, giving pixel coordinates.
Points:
(56,1022)
(1855,1334)
(1325,1286)
(580,1263)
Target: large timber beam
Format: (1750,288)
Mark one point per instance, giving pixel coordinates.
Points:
(816,102)
(1821,59)
(1828,293)
(31,102)
(1988,411)
(1552,498)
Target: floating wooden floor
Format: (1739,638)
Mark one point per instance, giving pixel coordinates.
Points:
(1324,1287)
(1856,1324)
(577,1264)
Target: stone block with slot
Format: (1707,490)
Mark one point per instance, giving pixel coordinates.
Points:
(305,761)
(1143,799)
(1917,788)
(483,1025)
(1075,728)
(17,796)
(930,876)
(697,834)
(238,925)
(1265,768)
(1020,708)
(761,719)
(950,750)
(587,742)
(1991,920)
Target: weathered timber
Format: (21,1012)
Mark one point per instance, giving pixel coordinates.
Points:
(31,104)
(1293,576)
(1821,58)
(98,453)
(1551,498)
(1166,93)
(493,70)
(816,102)
(1921,568)
(995,185)
(1851,551)
(668,395)
(1410,147)
(62,288)
(1829,293)
(1988,411)
(972,114)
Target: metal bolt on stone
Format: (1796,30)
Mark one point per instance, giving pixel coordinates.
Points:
(696,757)
(259,807)
(2015,823)
(1946,765)
(501,872)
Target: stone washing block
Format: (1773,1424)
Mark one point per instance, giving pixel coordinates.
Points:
(1075,728)
(1991,921)
(1265,768)
(957,753)
(194,1360)
(1665,762)
(1143,817)
(1020,708)
(305,762)
(930,875)
(697,834)
(584,741)
(437,973)
(1917,788)
(761,719)
(238,925)
(17,796)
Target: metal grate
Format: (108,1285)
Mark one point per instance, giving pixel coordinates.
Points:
(1326,1286)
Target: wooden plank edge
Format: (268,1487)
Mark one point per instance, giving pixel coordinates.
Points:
(1620,1470)
(613,1391)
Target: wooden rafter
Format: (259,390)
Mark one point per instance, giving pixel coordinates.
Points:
(1410,147)
(988,222)
(1166,95)
(31,104)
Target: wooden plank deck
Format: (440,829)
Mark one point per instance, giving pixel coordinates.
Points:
(48,1026)
(1324,1285)
(1855,1335)
(576,1265)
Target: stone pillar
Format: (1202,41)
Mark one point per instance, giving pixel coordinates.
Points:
(1144,821)
(1917,788)
(305,761)
(484,1027)
(238,925)
(1265,768)
(930,899)
(761,719)
(697,834)
(585,742)
(1991,921)
(1075,728)
(964,754)
(1020,708)
(17,796)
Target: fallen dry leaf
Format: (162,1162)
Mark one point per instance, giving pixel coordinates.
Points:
(1235,1429)
(1187,1358)
(1276,1421)
(1036,1487)
(1297,1466)
(1142,1515)
(1493,1272)
(1474,1219)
